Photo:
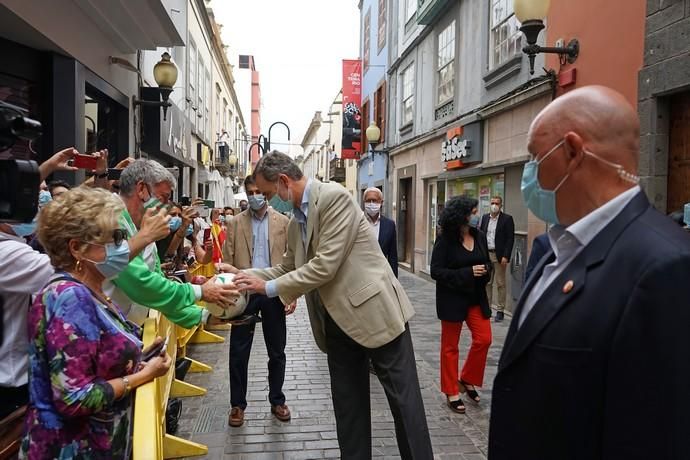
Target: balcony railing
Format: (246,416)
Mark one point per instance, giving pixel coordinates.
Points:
(337,170)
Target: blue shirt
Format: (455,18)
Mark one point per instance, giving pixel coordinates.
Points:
(261,254)
(300,215)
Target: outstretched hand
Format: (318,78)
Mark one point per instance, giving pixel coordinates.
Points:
(245,282)
(58,162)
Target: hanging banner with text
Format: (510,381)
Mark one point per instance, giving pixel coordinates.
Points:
(352,116)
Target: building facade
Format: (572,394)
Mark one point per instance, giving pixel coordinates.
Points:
(460,102)
(664,105)
(76,70)
(461,99)
(249,95)
(372,168)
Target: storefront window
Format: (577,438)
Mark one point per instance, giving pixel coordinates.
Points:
(480,187)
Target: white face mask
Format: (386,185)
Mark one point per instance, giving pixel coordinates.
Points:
(495,208)
(372,208)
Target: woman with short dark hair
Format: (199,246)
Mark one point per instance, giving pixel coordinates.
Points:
(459,264)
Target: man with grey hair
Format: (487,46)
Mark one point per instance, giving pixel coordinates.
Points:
(357,307)
(383,227)
(146,184)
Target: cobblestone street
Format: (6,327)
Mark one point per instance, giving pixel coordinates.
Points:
(311,433)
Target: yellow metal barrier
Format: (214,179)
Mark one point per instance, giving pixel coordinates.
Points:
(150,441)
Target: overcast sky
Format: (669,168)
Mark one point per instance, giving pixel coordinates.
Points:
(299,46)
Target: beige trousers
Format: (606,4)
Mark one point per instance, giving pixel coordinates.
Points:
(499,276)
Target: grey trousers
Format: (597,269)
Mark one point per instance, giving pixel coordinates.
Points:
(348,363)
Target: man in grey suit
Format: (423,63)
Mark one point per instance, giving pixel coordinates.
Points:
(357,307)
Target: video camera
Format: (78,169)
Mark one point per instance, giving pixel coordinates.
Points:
(19,179)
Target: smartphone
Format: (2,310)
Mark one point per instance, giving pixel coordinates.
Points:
(84,161)
(158,350)
(185,201)
(207,235)
(210,204)
(202,210)
(114,173)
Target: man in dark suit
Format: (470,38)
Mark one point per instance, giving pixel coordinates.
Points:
(500,234)
(383,227)
(540,246)
(595,361)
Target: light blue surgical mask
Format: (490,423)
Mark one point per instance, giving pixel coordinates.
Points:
(474,220)
(281,205)
(256,201)
(541,202)
(221,219)
(116,259)
(190,230)
(44,197)
(25,228)
(175,223)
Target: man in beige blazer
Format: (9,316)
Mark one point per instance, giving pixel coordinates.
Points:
(256,238)
(357,307)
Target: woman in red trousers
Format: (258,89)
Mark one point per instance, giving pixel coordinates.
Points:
(459,264)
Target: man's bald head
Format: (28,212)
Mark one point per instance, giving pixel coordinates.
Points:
(602,117)
(593,136)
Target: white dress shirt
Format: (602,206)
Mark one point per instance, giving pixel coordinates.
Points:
(23,272)
(491,231)
(568,242)
(375,225)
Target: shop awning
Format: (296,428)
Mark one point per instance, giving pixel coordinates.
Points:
(135,25)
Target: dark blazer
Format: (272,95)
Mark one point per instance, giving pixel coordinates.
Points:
(389,242)
(540,246)
(600,368)
(505,234)
(454,277)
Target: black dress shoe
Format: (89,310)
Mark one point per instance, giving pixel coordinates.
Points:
(499,316)
(182,366)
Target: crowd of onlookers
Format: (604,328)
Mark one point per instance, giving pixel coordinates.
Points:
(77,283)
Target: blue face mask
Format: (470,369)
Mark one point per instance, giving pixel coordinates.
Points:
(281,205)
(541,202)
(474,220)
(175,223)
(256,201)
(221,219)
(116,259)
(24,229)
(44,197)
(190,230)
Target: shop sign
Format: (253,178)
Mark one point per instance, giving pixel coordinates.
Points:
(462,146)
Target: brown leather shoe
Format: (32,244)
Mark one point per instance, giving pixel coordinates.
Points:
(236,417)
(281,412)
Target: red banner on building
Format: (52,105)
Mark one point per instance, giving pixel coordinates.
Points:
(352,116)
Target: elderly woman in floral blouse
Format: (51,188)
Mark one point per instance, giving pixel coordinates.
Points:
(85,358)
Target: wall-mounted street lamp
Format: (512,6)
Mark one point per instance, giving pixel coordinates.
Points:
(531,14)
(261,148)
(165,75)
(268,148)
(373,134)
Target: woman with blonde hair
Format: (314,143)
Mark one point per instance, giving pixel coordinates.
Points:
(85,357)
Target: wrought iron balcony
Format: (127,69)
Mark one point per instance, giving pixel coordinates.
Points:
(337,170)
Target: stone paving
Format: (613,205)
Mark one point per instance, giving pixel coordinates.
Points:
(311,433)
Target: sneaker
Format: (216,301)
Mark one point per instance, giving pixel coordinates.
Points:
(499,316)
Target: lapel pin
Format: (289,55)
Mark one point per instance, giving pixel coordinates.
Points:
(568,286)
